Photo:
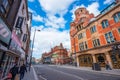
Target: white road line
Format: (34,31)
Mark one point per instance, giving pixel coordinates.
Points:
(42,77)
(35,75)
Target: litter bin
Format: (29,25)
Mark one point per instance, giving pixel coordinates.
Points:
(96,66)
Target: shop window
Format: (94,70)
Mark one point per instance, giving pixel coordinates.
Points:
(116,17)
(105,24)
(113,57)
(109,37)
(101,58)
(93,29)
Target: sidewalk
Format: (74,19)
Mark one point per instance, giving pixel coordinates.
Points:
(30,75)
(103,70)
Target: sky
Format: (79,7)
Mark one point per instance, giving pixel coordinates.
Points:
(53,17)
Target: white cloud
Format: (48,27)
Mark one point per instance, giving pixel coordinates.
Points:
(37,18)
(55,7)
(92,8)
(31,0)
(108,1)
(30,10)
(55,22)
(48,38)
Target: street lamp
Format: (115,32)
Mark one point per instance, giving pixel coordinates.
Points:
(33,46)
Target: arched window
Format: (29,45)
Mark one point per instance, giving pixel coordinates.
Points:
(105,23)
(116,17)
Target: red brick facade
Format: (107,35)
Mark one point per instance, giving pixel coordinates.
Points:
(94,37)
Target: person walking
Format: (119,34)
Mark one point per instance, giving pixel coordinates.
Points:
(14,71)
(107,65)
(22,71)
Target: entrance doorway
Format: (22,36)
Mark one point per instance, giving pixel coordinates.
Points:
(115,58)
(100,58)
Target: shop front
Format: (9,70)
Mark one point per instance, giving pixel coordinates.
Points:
(5,36)
(85,60)
(115,56)
(100,56)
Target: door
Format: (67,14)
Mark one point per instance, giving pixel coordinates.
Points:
(100,58)
(115,58)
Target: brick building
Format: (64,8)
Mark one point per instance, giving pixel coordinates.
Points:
(96,39)
(14,33)
(57,55)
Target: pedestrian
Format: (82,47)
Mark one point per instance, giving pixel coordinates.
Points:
(107,65)
(22,71)
(14,71)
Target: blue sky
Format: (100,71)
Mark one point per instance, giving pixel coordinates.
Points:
(53,18)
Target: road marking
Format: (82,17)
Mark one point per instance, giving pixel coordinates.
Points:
(42,77)
(35,75)
(68,74)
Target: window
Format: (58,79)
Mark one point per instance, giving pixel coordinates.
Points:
(81,35)
(109,37)
(19,22)
(24,37)
(96,42)
(105,23)
(83,46)
(93,29)
(119,30)
(19,33)
(116,17)
(4,7)
(79,27)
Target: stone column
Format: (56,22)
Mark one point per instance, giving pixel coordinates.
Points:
(77,59)
(94,59)
(108,58)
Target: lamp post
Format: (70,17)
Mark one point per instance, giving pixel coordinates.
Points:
(32,47)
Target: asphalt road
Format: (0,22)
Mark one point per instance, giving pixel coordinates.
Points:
(48,72)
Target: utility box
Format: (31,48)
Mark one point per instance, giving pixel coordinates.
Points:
(96,66)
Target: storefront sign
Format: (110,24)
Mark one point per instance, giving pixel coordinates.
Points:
(15,44)
(5,33)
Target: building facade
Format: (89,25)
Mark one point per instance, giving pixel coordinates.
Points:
(57,55)
(13,27)
(96,39)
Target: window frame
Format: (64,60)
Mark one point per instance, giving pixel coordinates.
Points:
(109,37)
(93,29)
(105,23)
(116,17)
(96,42)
